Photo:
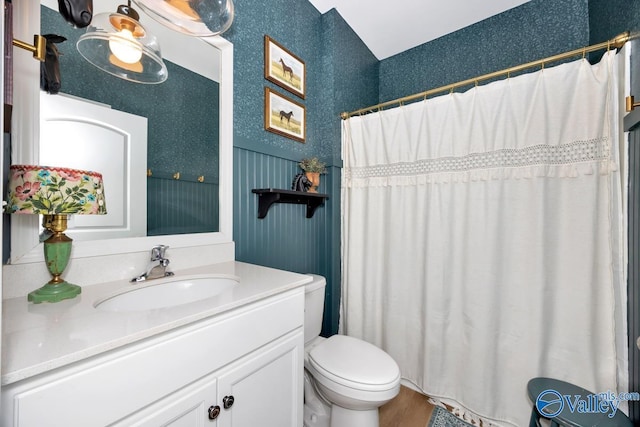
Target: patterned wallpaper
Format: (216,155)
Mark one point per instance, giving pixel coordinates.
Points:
(534,30)
(296,26)
(177,141)
(341,73)
(608,18)
(350,77)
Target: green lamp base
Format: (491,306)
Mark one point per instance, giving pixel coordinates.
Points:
(54,292)
(57,249)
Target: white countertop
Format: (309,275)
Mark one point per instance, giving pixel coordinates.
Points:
(40,337)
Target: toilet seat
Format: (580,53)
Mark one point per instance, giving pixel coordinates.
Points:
(353,363)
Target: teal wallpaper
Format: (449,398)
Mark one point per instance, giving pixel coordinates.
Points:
(176,141)
(297,26)
(349,76)
(349,80)
(534,30)
(341,72)
(608,18)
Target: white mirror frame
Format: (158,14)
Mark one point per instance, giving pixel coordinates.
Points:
(25,246)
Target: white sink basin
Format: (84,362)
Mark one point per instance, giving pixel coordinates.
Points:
(163,293)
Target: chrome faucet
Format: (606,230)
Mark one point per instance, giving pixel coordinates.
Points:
(157,266)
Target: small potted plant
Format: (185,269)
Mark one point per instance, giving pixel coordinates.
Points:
(312,168)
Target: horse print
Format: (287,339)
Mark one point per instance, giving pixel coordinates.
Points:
(286,116)
(286,69)
(283,115)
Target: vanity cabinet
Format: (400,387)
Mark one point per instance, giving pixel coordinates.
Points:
(263,387)
(246,365)
(188,407)
(257,390)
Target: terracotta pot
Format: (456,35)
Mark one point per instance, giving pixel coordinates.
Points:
(314,177)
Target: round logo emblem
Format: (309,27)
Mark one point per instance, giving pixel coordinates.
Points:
(549,403)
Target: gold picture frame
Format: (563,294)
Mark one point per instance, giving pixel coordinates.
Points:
(284,68)
(284,116)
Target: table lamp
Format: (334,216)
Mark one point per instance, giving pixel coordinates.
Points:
(54,192)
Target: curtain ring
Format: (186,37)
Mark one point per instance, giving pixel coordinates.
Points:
(584,52)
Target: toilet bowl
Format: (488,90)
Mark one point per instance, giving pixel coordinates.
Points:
(346,379)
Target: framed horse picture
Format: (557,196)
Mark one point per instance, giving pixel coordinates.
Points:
(284,116)
(284,68)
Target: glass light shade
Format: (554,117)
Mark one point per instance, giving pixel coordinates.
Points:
(125,47)
(119,45)
(200,18)
(48,190)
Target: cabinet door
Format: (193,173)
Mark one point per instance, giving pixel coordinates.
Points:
(188,407)
(266,387)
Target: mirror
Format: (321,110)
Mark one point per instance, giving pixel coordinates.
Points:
(194,54)
(179,149)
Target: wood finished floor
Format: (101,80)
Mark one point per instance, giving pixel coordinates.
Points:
(408,409)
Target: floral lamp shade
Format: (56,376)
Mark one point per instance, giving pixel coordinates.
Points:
(48,190)
(55,192)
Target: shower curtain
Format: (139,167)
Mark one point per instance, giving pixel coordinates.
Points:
(482,238)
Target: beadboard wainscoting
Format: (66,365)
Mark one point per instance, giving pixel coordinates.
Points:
(286,238)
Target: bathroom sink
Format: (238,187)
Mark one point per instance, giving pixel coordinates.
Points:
(165,293)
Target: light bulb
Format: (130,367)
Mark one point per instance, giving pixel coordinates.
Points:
(125,47)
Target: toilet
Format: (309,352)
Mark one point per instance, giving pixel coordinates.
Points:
(346,379)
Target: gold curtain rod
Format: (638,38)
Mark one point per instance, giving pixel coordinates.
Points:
(616,42)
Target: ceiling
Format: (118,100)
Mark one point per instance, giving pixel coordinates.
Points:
(391,27)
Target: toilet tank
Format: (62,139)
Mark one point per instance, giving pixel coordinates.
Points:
(313,307)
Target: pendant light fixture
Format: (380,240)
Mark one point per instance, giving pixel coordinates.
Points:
(118,44)
(200,18)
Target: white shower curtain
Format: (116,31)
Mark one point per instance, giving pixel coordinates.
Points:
(482,238)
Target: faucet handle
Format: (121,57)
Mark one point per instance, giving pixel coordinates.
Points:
(157,252)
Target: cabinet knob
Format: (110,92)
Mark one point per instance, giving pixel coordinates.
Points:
(214,411)
(227,402)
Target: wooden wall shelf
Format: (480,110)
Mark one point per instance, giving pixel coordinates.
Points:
(269,196)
